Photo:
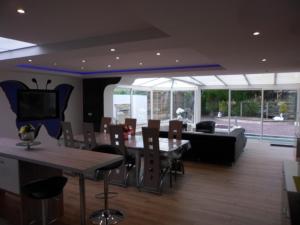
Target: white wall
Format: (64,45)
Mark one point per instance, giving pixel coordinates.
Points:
(73,112)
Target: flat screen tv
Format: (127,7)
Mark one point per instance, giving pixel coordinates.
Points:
(37,104)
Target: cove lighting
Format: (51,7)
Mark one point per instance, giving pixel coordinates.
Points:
(7,44)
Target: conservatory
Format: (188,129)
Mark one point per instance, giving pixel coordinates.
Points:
(266,105)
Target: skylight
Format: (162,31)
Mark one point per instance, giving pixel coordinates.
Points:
(288,78)
(238,79)
(262,78)
(209,80)
(7,44)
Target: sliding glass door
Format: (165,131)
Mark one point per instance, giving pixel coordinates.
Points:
(280,107)
(214,107)
(246,111)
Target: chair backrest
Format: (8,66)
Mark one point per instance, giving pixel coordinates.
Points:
(206,126)
(152,169)
(68,134)
(89,136)
(154,124)
(131,123)
(105,123)
(175,129)
(117,138)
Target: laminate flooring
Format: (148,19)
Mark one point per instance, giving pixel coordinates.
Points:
(248,193)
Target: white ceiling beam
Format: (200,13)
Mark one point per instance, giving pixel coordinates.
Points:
(220,80)
(248,82)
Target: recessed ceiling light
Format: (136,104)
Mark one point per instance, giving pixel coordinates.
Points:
(29,60)
(264,60)
(108,66)
(157,53)
(117,58)
(256,33)
(55,64)
(83,61)
(177,60)
(141,63)
(82,67)
(112,49)
(21,11)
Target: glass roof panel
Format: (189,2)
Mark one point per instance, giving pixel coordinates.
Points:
(180,84)
(7,44)
(188,79)
(261,78)
(166,84)
(154,82)
(141,81)
(209,80)
(238,79)
(288,78)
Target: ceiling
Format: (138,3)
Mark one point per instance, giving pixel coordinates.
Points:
(184,32)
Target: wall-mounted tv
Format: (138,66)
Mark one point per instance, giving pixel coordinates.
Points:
(37,104)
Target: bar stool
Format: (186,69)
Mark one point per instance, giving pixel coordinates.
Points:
(107,216)
(44,190)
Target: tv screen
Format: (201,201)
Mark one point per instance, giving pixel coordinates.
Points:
(37,104)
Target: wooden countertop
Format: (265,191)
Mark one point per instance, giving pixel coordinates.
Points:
(60,157)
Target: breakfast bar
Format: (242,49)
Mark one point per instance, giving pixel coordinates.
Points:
(19,166)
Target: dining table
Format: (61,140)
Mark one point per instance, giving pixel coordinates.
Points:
(135,145)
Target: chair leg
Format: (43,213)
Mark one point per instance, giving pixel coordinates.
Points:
(171,178)
(182,167)
(44,211)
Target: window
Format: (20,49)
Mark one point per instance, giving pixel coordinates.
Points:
(121,104)
(183,105)
(141,107)
(161,105)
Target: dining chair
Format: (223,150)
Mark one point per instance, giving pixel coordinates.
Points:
(89,136)
(175,129)
(120,176)
(68,135)
(131,124)
(175,132)
(105,123)
(154,124)
(155,166)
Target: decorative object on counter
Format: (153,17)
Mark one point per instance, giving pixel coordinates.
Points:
(27,134)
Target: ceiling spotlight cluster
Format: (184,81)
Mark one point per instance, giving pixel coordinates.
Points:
(257,33)
(140,63)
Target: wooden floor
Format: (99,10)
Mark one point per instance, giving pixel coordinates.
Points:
(249,193)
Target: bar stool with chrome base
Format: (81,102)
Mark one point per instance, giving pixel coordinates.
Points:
(107,216)
(44,190)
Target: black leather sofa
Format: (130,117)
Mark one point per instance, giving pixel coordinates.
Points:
(214,148)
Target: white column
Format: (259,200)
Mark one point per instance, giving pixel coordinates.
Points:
(229,109)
